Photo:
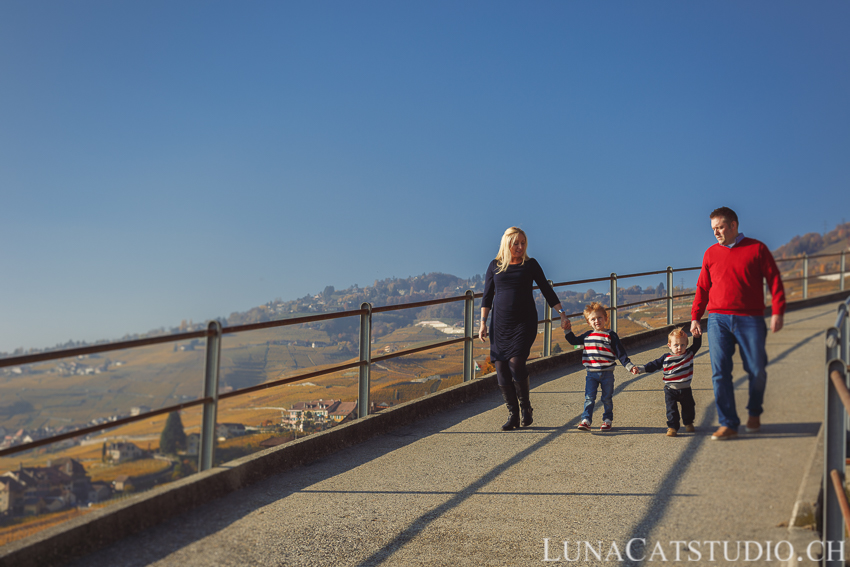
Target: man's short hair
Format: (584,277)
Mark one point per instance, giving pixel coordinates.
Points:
(726,213)
(677,332)
(593,307)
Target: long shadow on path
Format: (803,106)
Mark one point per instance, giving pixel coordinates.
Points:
(476,488)
(653,515)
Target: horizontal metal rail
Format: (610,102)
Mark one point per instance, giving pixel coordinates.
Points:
(608,278)
(840,388)
(803,256)
(95,349)
(802,278)
(657,272)
(287,322)
(579,282)
(840,495)
(655,299)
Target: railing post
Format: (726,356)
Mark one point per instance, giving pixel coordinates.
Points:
(613,311)
(835,443)
(547,327)
(468,327)
(206,451)
(845,343)
(842,349)
(805,276)
(365,359)
(842,269)
(669,295)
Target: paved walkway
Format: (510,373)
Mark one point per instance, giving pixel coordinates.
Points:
(455,490)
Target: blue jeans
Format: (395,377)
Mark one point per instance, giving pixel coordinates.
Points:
(749,333)
(605,379)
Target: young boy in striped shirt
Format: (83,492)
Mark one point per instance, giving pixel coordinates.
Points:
(602,349)
(678,370)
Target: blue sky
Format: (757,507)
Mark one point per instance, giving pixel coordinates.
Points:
(162,161)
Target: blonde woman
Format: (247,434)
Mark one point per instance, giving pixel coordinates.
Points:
(509,299)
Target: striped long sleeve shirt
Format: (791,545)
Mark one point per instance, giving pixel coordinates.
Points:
(678,370)
(602,350)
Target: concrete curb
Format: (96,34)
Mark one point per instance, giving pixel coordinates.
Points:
(813,301)
(801,526)
(803,514)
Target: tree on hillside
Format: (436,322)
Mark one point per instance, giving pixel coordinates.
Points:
(173,438)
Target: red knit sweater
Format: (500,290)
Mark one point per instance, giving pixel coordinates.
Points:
(730,282)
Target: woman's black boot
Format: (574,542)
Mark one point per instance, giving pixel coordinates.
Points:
(523,394)
(509,394)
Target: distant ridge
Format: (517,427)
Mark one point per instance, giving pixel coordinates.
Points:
(414,288)
(832,242)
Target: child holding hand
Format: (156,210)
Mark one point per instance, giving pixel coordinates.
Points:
(678,370)
(602,349)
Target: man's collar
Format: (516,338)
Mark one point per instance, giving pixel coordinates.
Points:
(737,240)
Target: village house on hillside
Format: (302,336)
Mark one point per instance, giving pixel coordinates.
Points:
(34,490)
(11,497)
(317,411)
(227,430)
(193,444)
(120,452)
(343,411)
(100,492)
(120,482)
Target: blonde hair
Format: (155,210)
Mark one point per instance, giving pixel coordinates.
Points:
(593,307)
(677,332)
(503,258)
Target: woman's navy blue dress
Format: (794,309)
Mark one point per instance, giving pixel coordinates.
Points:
(513,314)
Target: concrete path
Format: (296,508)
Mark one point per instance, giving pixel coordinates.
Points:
(455,490)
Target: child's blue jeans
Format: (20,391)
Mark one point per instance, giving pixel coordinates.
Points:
(604,378)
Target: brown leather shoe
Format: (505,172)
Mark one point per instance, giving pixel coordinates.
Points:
(690,428)
(671,432)
(724,433)
(753,424)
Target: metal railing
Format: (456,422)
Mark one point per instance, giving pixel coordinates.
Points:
(836,512)
(804,275)
(214,332)
(614,306)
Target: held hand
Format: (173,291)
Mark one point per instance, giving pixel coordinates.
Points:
(696,329)
(565,323)
(482,332)
(635,370)
(776,323)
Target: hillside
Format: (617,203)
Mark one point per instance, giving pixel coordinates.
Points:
(834,241)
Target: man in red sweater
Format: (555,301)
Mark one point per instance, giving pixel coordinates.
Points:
(730,287)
